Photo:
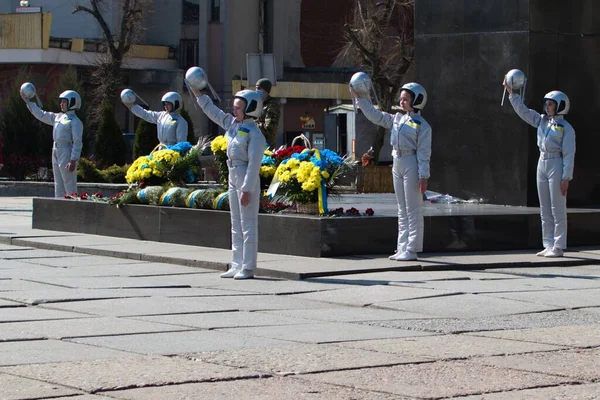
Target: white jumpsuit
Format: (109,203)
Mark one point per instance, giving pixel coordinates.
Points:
(172,128)
(411,143)
(68,142)
(556,141)
(245,148)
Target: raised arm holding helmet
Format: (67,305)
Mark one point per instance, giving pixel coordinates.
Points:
(67,136)
(172,128)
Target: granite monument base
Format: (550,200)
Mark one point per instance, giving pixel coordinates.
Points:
(447,228)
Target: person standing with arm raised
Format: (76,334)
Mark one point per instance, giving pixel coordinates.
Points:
(411,143)
(556,142)
(68,140)
(245,148)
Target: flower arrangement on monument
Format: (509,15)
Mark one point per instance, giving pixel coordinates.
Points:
(176,165)
(309,177)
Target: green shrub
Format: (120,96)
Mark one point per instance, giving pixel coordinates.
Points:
(190,135)
(110,145)
(21,134)
(88,172)
(146,139)
(115,173)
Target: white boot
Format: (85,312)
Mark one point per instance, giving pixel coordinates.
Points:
(544,252)
(407,256)
(554,253)
(395,255)
(231,272)
(244,274)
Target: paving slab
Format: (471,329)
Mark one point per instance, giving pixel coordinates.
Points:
(557,298)
(570,336)
(110,282)
(446,347)
(274,286)
(518,258)
(266,302)
(482,286)
(173,343)
(84,397)
(9,247)
(465,306)
(70,328)
(128,372)
(592,271)
(323,332)
(82,260)
(305,359)
(287,388)
(29,271)
(10,264)
(437,379)
(19,388)
(498,322)
(37,271)
(391,277)
(34,253)
(58,295)
(8,303)
(366,295)
(8,285)
(570,283)
(46,351)
(143,306)
(224,320)
(348,314)
(571,392)
(580,364)
(20,314)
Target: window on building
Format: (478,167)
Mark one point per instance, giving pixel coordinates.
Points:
(188,53)
(191,11)
(215,10)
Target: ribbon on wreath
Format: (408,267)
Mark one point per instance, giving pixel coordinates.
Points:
(322,195)
(218,201)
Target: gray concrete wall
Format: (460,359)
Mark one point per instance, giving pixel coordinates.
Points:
(463,50)
(163,23)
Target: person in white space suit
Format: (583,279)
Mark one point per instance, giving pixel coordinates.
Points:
(172,128)
(245,148)
(556,141)
(411,143)
(68,140)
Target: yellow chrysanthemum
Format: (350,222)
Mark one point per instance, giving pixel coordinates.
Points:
(325,174)
(267,171)
(219,143)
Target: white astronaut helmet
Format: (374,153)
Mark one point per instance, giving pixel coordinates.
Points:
(419,94)
(73,99)
(254,103)
(562,101)
(174,98)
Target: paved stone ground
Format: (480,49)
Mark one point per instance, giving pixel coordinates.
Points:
(91,327)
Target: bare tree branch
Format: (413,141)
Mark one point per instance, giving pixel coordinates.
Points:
(380,41)
(107,76)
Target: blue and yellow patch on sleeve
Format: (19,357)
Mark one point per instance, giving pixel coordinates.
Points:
(414,123)
(243,131)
